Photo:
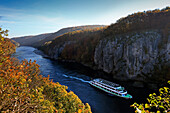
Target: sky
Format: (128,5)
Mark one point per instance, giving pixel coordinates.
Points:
(32,17)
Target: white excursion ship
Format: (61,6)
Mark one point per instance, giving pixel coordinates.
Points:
(110,87)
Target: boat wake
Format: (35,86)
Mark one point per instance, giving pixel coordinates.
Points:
(80,79)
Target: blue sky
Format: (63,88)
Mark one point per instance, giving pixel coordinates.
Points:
(31,17)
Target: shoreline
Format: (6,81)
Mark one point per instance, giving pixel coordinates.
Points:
(100,73)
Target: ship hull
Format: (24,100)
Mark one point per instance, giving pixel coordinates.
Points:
(111,93)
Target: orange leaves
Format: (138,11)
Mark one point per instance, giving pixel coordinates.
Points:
(22,89)
(79,111)
(29,80)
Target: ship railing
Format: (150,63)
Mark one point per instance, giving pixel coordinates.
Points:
(110,89)
(104,86)
(119,92)
(115,87)
(107,82)
(110,86)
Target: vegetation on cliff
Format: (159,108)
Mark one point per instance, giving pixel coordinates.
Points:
(22,89)
(39,40)
(79,46)
(155,19)
(156,103)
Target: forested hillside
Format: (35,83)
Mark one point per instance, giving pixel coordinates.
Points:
(152,19)
(75,46)
(136,47)
(23,90)
(39,40)
(29,40)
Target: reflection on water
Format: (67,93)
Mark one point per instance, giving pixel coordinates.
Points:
(75,77)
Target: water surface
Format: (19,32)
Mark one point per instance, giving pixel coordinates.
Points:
(76,77)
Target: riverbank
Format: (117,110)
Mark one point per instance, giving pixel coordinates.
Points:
(65,72)
(101,74)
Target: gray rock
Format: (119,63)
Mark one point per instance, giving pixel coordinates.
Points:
(56,51)
(132,54)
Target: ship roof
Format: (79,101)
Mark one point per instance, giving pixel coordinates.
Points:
(107,82)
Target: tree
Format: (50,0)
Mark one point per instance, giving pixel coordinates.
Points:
(23,90)
(156,103)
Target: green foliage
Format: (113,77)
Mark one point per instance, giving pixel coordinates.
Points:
(22,89)
(156,103)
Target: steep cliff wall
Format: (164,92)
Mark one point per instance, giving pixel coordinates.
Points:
(136,47)
(133,56)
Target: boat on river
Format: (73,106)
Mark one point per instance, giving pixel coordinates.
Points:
(110,87)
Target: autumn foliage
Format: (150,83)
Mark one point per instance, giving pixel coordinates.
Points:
(79,46)
(155,19)
(22,89)
(156,103)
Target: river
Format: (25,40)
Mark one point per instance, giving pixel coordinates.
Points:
(76,77)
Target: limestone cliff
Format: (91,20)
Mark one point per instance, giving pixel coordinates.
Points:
(134,55)
(136,47)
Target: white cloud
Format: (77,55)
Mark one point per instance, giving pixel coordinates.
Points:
(2,8)
(2,21)
(48,19)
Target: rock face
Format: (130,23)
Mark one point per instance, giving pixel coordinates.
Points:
(132,56)
(56,51)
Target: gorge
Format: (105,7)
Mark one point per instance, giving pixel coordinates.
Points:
(135,48)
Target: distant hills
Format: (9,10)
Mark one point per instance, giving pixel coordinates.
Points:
(39,40)
(29,40)
(136,47)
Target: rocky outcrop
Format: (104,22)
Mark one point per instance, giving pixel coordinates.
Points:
(134,55)
(56,51)
(131,56)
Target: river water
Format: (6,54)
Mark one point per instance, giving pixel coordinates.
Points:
(76,77)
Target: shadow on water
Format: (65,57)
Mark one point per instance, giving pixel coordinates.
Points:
(77,76)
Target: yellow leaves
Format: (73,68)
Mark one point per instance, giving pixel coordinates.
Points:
(157,102)
(147,106)
(79,111)
(169,82)
(29,80)
(158,112)
(21,66)
(166,89)
(21,82)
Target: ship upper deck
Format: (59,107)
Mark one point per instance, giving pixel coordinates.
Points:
(107,82)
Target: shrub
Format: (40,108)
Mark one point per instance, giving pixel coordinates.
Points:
(156,103)
(22,89)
